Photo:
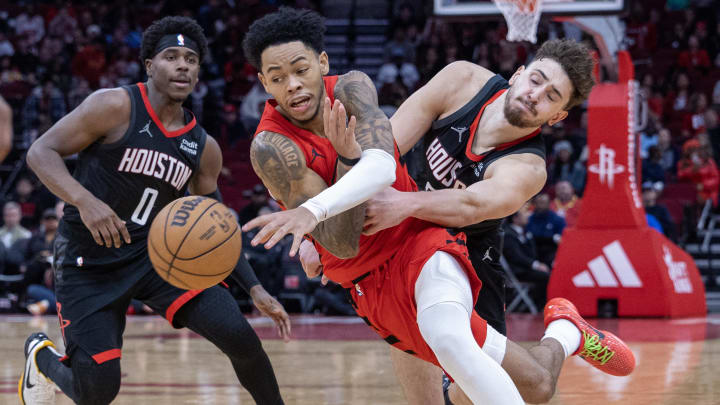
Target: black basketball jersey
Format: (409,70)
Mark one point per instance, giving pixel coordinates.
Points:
(136,176)
(449,161)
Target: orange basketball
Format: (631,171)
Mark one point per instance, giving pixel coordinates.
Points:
(194,242)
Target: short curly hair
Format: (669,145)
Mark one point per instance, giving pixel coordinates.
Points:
(283,26)
(576,61)
(172,25)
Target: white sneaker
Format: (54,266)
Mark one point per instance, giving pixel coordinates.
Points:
(34,387)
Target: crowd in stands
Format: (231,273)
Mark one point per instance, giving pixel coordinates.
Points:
(54,54)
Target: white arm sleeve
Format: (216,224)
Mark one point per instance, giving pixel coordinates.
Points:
(374,172)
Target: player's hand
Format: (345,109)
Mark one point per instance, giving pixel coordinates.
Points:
(310,259)
(385,210)
(339,131)
(298,222)
(105,226)
(272,309)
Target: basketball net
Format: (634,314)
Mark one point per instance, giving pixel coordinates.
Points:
(522,17)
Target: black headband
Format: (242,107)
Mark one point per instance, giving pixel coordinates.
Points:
(175,40)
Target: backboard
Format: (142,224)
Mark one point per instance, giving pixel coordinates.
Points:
(549,7)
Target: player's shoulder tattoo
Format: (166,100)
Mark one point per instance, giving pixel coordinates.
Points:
(358,94)
(277,160)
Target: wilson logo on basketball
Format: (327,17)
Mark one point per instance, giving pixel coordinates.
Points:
(183,213)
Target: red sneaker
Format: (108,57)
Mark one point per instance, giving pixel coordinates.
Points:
(602,349)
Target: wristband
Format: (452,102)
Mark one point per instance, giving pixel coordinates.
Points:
(348,162)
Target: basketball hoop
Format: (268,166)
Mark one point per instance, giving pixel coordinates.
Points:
(522,17)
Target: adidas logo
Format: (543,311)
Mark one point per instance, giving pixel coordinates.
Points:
(611,269)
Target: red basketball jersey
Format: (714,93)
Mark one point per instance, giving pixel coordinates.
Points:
(321,158)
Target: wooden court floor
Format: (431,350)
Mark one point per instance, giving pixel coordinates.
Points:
(340,361)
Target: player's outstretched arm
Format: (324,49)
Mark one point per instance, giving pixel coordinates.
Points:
(281,166)
(100,114)
(509,183)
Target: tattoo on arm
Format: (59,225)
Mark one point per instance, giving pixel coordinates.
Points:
(280,164)
(357,93)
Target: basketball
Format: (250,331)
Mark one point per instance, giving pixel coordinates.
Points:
(194,242)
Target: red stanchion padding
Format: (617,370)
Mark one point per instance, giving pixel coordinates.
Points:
(639,268)
(612,254)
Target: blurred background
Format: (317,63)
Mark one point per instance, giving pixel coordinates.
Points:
(55,53)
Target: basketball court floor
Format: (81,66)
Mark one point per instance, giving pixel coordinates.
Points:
(338,361)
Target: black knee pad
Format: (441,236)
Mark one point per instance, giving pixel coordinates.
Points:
(96,384)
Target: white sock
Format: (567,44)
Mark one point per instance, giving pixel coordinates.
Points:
(566,333)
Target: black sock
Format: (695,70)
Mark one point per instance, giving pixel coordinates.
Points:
(49,364)
(215,315)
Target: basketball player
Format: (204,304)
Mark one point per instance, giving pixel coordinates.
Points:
(480,135)
(413,283)
(138,150)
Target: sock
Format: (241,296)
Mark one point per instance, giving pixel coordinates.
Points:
(566,333)
(48,361)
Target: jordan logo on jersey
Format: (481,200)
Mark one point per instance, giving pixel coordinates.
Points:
(146,128)
(155,164)
(460,131)
(442,165)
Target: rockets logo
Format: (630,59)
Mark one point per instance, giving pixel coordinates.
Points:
(606,167)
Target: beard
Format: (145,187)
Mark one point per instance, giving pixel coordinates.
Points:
(516,116)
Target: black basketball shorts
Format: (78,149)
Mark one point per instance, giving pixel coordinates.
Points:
(92,301)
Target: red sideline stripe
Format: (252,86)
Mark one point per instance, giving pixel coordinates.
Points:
(107,355)
(178,303)
(63,358)
(224,284)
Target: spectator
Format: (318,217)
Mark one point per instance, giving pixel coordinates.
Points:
(678,99)
(566,203)
(430,64)
(652,169)
(63,24)
(252,107)
(546,228)
(697,167)
(44,107)
(79,91)
(669,155)
(716,95)
(265,263)
(391,95)
(24,190)
(231,130)
(658,212)
(12,231)
(89,62)
(694,57)
(563,167)
(519,251)
(258,199)
(399,46)
(398,68)
(6,48)
(694,122)
(30,25)
(38,275)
